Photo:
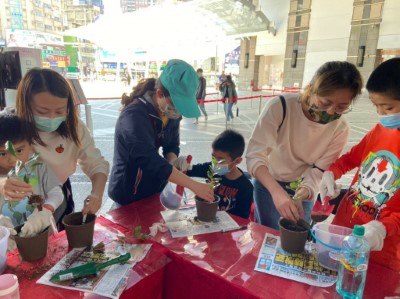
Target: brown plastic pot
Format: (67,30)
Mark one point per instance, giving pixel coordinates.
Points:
(78,234)
(293,235)
(32,248)
(207,211)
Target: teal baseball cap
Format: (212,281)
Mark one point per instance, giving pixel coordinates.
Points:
(181,81)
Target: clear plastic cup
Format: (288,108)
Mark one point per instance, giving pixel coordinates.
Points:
(9,287)
(4,234)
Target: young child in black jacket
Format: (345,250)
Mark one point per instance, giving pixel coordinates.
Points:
(235,189)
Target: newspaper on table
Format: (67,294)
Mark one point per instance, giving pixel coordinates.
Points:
(184,222)
(109,282)
(303,267)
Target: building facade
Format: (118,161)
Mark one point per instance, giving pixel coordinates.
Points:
(312,32)
(134,5)
(76,14)
(37,15)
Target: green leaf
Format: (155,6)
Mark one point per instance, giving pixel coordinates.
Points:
(26,178)
(137,231)
(18,166)
(214,161)
(10,149)
(34,157)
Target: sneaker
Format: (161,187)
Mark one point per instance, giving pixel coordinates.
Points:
(206,118)
(196,122)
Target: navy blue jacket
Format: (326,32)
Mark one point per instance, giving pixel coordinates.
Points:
(236,196)
(138,169)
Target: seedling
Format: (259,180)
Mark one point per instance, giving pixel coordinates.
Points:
(34,199)
(294,186)
(138,234)
(211,179)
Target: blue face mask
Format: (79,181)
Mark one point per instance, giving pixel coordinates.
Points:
(46,124)
(391,121)
(221,169)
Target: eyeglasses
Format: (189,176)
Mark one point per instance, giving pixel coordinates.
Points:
(325,105)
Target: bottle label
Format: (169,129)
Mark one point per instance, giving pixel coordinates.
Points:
(354,267)
(362,267)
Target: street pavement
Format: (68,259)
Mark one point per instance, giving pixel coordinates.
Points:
(196,139)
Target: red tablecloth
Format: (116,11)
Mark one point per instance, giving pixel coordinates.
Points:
(221,265)
(145,282)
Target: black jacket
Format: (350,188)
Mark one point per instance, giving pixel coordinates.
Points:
(138,169)
(236,196)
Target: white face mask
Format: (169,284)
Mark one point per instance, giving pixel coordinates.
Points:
(170,111)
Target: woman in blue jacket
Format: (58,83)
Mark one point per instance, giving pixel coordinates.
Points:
(149,120)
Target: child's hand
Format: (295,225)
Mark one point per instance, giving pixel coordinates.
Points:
(37,222)
(375,233)
(328,187)
(181,163)
(92,204)
(15,189)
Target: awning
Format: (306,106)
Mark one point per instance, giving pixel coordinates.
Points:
(182,27)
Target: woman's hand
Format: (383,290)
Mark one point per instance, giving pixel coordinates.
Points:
(203,191)
(14,189)
(285,205)
(91,204)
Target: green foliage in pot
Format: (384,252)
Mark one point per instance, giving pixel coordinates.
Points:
(34,199)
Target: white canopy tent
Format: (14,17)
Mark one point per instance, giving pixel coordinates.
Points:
(190,30)
(162,31)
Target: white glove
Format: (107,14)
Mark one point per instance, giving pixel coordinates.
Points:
(7,223)
(328,187)
(36,223)
(375,234)
(181,164)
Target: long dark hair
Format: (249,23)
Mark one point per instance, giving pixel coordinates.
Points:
(149,85)
(39,80)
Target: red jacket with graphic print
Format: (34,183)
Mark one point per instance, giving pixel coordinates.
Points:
(373,194)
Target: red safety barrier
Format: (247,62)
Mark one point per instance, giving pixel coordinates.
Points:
(223,99)
(237,99)
(288,90)
(292,89)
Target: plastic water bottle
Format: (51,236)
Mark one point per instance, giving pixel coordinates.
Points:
(353,264)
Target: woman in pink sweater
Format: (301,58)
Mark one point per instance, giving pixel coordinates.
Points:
(296,138)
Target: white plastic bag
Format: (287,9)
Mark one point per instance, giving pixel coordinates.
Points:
(173,201)
(169,198)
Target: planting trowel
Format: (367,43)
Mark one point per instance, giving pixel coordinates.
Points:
(322,210)
(87,269)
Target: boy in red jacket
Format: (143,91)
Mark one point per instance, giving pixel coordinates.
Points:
(373,199)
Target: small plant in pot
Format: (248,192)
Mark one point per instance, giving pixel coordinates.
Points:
(207,211)
(294,234)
